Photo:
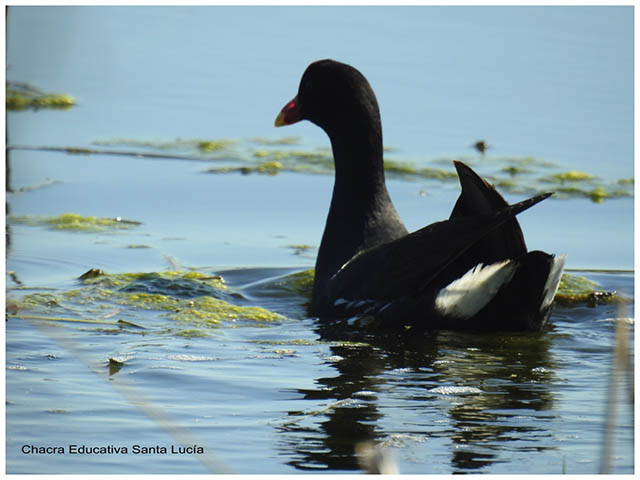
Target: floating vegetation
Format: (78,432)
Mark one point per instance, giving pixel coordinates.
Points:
(275,141)
(570,176)
(211,145)
(209,310)
(190,150)
(513,170)
(75,222)
(269,168)
(588,189)
(317,162)
(192,297)
(265,156)
(203,145)
(574,289)
(190,333)
(320,162)
(597,195)
(22,96)
(300,249)
(30,188)
(183,284)
(409,171)
(300,283)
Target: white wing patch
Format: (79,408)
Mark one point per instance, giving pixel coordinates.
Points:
(553,280)
(467,295)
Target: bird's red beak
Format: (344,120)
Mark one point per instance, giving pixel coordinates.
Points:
(289,114)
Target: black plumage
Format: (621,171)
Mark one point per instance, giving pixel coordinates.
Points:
(471,272)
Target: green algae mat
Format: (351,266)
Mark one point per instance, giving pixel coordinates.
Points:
(510,174)
(74,222)
(195,302)
(23,96)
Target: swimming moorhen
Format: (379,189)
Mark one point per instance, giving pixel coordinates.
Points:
(470,272)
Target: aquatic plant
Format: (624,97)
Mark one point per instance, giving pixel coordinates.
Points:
(299,249)
(196,298)
(575,289)
(74,222)
(276,141)
(22,96)
(204,145)
(511,174)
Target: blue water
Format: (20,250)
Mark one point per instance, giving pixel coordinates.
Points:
(550,83)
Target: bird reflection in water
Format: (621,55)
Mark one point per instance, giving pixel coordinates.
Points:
(508,405)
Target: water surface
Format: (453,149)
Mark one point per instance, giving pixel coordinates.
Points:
(294,396)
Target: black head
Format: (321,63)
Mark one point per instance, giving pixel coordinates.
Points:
(334,96)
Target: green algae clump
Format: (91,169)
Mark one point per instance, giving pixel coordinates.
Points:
(570,176)
(515,170)
(211,310)
(300,283)
(173,283)
(177,144)
(193,297)
(299,249)
(276,141)
(574,289)
(272,167)
(212,145)
(409,171)
(75,222)
(598,195)
(22,96)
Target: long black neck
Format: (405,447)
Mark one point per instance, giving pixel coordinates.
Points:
(361,214)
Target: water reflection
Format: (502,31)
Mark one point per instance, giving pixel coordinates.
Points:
(515,372)
(328,442)
(508,407)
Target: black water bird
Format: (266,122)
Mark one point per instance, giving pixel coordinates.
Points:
(470,272)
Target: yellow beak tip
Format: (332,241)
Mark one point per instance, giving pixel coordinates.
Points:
(280,120)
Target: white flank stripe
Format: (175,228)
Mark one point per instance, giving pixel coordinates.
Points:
(366,305)
(553,280)
(467,295)
(385,307)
